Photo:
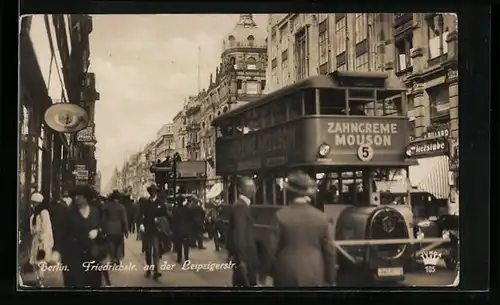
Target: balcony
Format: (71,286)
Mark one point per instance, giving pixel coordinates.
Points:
(437,60)
(192,145)
(194,126)
(402,23)
(193,109)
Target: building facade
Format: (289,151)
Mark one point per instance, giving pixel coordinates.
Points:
(240,78)
(46,162)
(419,48)
(180,133)
(164,143)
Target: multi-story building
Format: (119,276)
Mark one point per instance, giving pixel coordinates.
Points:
(180,133)
(115,183)
(240,78)
(164,143)
(419,48)
(150,158)
(45,160)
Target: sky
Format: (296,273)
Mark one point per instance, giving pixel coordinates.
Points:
(145,67)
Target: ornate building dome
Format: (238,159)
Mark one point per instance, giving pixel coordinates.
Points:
(246,33)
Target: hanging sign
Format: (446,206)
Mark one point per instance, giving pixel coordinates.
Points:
(86,134)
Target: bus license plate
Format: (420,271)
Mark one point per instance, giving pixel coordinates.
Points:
(396,271)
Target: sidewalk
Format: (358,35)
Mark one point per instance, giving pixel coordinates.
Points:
(176,276)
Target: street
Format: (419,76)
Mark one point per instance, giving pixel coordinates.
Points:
(175,276)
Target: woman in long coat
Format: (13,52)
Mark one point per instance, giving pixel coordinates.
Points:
(301,252)
(42,236)
(87,242)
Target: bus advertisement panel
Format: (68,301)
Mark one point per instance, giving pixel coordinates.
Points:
(270,147)
(358,140)
(354,140)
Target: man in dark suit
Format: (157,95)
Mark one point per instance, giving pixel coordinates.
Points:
(149,215)
(116,226)
(182,227)
(198,214)
(241,242)
(301,250)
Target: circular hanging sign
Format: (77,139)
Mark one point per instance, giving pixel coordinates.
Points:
(365,153)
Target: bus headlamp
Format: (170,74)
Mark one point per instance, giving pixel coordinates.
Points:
(420,235)
(324,150)
(445,234)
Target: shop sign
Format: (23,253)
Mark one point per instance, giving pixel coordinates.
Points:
(81,174)
(81,181)
(86,134)
(438,133)
(428,147)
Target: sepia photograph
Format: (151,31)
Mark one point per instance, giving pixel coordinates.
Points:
(238,150)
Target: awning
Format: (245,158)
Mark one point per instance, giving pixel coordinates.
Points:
(431,175)
(214,191)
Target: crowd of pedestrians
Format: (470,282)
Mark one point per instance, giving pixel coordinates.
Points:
(82,230)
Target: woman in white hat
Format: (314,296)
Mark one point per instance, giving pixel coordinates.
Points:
(43,240)
(301,249)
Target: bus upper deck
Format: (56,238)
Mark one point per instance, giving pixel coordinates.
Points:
(346,119)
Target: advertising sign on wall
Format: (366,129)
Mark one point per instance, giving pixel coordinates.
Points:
(86,134)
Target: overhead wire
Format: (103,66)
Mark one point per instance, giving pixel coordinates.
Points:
(53,53)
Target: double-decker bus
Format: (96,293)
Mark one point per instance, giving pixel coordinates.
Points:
(350,131)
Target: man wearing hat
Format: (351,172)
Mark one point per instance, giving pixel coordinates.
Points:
(148,217)
(241,240)
(116,226)
(301,249)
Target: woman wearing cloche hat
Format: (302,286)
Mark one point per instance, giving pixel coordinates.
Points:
(301,249)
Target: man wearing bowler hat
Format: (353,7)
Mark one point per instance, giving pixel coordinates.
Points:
(301,251)
(148,217)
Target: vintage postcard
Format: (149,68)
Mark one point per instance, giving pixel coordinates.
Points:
(235,150)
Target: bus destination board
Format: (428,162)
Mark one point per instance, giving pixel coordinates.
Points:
(383,139)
